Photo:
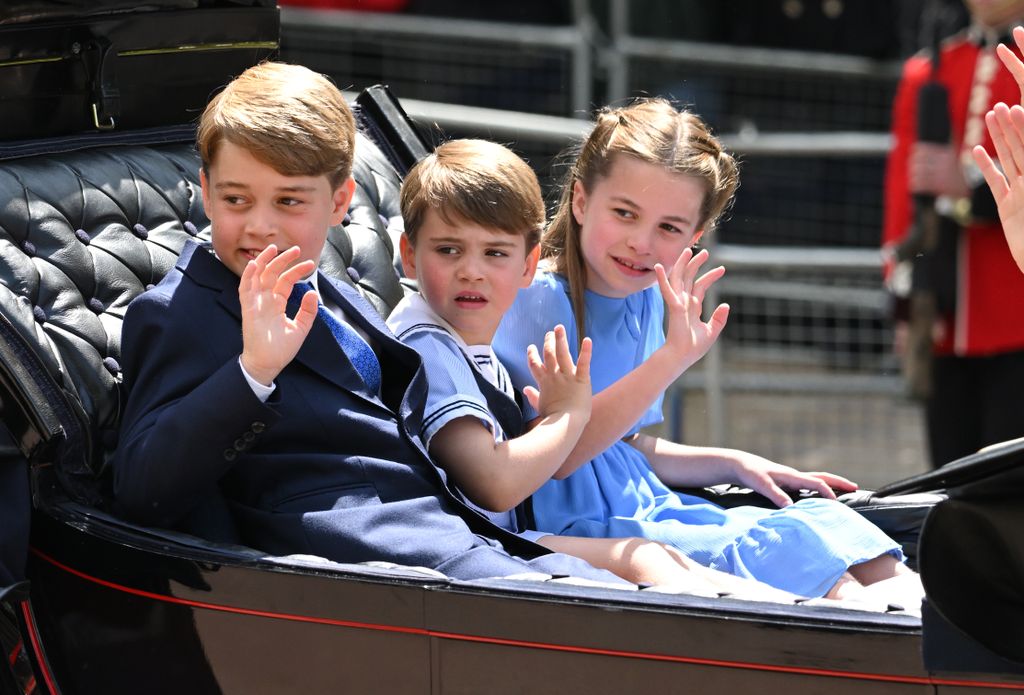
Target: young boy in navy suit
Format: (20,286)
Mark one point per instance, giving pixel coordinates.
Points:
(290,416)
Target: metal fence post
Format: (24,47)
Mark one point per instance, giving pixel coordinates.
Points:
(713,384)
(615,57)
(582,73)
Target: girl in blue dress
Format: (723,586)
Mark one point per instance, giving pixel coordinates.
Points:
(646,184)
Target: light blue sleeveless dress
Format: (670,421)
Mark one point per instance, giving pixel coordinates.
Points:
(803,548)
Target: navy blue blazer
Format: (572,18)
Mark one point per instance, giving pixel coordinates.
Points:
(323,467)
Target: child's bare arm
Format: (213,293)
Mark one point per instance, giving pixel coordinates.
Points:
(500,475)
(680,465)
(270,340)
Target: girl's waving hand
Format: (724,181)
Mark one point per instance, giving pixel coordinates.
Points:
(683,293)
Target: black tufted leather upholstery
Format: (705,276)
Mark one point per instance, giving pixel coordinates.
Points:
(356,249)
(82,234)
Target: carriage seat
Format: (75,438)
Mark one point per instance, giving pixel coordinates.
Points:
(88,225)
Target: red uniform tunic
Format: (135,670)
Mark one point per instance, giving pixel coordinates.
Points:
(990,289)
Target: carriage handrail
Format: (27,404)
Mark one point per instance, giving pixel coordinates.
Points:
(501,123)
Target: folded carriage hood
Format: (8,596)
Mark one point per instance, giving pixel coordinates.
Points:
(971,548)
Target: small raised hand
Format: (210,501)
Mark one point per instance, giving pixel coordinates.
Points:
(683,292)
(562,386)
(270,340)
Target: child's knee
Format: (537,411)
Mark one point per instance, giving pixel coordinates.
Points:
(845,588)
(642,554)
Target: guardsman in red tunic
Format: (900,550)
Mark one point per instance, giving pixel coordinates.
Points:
(977,372)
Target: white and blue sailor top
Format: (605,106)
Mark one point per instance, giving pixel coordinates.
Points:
(453,390)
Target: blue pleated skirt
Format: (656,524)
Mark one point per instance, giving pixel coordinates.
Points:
(803,548)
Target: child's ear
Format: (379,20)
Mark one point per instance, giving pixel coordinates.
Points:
(342,197)
(204,186)
(579,201)
(532,259)
(408,253)
(696,237)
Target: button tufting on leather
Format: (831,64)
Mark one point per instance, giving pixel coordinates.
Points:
(39,314)
(190,228)
(112,366)
(347,220)
(82,236)
(96,305)
(28,247)
(150,286)
(383,220)
(141,232)
(353,273)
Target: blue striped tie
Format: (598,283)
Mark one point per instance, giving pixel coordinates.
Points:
(358,352)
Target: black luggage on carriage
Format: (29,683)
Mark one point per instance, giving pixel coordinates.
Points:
(73,66)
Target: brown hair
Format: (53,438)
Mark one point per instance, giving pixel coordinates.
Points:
(288,117)
(477,181)
(653,131)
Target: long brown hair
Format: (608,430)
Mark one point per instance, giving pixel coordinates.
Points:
(653,131)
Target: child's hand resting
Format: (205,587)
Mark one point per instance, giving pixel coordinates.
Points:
(270,340)
(769,479)
(683,292)
(562,387)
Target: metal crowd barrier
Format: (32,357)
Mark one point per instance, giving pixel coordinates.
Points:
(805,371)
